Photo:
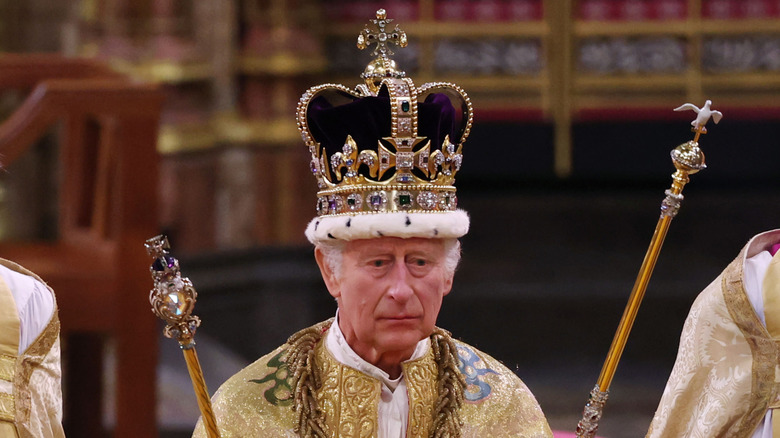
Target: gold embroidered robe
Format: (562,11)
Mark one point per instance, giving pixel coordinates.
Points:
(257,401)
(726,373)
(30,390)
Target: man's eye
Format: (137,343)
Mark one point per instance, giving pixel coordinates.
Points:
(420,262)
(378,263)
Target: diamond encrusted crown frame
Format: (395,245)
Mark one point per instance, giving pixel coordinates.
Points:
(405,173)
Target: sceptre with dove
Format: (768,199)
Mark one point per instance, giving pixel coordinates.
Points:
(688,159)
(704,115)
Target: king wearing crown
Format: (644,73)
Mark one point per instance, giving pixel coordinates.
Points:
(385,237)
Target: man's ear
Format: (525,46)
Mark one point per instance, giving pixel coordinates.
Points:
(448,284)
(328,276)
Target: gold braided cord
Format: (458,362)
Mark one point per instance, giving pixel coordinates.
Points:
(306,381)
(450,385)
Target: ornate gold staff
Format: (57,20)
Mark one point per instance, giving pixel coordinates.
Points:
(173,300)
(688,159)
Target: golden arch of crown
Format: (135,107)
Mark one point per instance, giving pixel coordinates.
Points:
(405,172)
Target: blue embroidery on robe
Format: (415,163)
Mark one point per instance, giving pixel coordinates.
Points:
(476,388)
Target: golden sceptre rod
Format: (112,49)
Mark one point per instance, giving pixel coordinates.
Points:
(173,300)
(688,159)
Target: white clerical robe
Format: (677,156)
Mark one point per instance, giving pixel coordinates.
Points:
(30,387)
(755,270)
(34,304)
(725,379)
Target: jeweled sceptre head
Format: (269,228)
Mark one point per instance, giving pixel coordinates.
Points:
(173,300)
(385,153)
(173,296)
(688,158)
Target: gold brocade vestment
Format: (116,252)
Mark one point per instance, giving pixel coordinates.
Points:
(30,391)
(726,373)
(257,401)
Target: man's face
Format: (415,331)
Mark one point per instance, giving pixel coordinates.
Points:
(389,292)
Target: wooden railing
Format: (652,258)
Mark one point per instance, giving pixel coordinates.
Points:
(107,208)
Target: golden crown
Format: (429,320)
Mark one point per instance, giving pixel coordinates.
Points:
(387,145)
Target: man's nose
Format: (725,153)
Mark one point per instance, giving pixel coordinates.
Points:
(400,289)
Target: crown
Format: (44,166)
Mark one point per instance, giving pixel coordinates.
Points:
(385,150)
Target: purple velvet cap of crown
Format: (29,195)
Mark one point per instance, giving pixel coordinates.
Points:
(367,119)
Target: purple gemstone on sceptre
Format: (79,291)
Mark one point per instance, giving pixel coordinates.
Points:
(157,265)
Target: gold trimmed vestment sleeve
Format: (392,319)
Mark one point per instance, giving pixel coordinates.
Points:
(724,376)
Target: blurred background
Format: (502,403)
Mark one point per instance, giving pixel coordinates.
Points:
(127,118)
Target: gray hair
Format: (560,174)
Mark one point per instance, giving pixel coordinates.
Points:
(333,251)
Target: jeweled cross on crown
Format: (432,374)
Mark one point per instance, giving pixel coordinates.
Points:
(381,37)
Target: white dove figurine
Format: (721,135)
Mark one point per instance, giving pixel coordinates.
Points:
(704,114)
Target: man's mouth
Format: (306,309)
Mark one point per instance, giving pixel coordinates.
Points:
(399,317)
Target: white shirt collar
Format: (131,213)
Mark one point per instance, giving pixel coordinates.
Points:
(343,353)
